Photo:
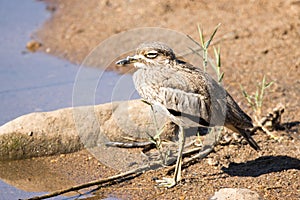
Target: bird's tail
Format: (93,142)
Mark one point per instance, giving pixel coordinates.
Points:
(248,137)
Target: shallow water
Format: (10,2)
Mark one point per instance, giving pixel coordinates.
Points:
(28,82)
(31,82)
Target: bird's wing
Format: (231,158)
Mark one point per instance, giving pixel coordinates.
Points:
(189,91)
(184,102)
(183,91)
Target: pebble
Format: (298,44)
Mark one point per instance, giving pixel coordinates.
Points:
(235,194)
(33,45)
(212,162)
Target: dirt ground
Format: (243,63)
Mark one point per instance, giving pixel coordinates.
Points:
(264,40)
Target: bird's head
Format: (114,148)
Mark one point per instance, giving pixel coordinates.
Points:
(149,55)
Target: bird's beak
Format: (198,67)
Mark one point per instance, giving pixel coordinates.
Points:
(128,60)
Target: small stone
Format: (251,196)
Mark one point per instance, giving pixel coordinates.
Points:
(212,162)
(51,8)
(33,45)
(235,194)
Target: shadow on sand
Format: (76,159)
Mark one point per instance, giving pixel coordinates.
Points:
(262,165)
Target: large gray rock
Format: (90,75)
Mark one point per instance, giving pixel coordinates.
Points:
(235,194)
(71,129)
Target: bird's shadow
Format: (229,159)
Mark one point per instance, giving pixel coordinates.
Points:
(262,165)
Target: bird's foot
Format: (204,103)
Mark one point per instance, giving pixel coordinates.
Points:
(167,182)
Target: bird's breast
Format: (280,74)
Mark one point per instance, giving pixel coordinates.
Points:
(147,83)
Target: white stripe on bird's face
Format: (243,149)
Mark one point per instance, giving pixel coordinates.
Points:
(143,62)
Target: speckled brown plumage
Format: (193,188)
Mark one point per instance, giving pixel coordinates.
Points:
(179,86)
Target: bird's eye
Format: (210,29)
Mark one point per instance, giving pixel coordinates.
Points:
(151,54)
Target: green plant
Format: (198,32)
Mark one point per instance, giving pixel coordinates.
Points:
(204,47)
(256,100)
(220,74)
(206,44)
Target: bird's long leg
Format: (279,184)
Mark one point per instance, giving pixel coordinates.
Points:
(170,182)
(181,140)
(211,140)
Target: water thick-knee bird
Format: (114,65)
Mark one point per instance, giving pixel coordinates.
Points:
(179,87)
